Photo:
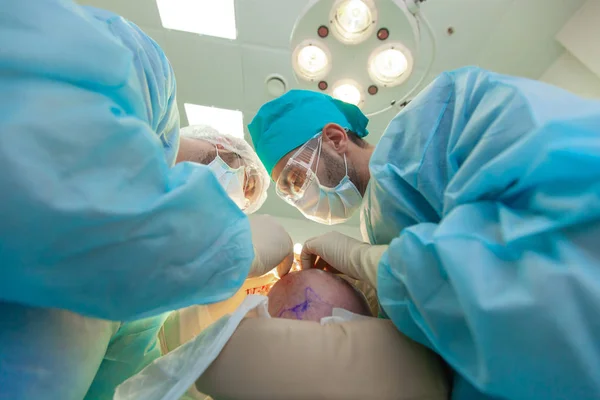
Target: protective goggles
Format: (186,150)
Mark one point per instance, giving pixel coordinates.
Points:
(251,174)
(300,171)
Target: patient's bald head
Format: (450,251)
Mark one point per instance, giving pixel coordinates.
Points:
(313,294)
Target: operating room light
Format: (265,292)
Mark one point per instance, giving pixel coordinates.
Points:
(352,20)
(387,66)
(348,93)
(363,52)
(353,16)
(311,61)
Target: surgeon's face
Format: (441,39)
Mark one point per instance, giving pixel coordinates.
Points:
(330,169)
(202,152)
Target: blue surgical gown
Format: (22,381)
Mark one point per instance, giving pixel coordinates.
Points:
(154,75)
(487,189)
(94,219)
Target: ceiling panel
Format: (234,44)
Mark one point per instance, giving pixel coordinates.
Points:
(522,41)
(208,70)
(576,34)
(470,21)
(267,22)
(258,63)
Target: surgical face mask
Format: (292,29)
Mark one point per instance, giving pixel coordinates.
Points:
(232,180)
(319,203)
(330,206)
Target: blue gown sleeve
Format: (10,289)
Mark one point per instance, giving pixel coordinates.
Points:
(506,284)
(94,220)
(154,74)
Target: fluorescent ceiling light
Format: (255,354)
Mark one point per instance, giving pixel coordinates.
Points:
(226,121)
(205,17)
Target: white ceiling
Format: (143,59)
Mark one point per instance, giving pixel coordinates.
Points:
(508,36)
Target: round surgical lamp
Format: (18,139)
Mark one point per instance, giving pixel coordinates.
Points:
(390,65)
(352,21)
(370,56)
(348,91)
(311,60)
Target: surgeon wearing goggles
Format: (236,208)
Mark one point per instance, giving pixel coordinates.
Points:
(481,208)
(98,223)
(232,160)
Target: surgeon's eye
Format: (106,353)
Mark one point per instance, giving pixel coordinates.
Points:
(286,184)
(231,159)
(205,157)
(296,180)
(250,187)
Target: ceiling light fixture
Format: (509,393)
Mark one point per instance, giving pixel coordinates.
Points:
(230,122)
(352,21)
(348,91)
(311,61)
(204,17)
(374,45)
(390,65)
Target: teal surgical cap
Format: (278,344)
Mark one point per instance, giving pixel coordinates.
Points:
(291,120)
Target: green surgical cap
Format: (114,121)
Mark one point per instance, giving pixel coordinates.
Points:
(293,119)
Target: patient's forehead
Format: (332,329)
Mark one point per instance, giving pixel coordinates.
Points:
(312,294)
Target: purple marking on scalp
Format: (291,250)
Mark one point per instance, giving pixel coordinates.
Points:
(310,297)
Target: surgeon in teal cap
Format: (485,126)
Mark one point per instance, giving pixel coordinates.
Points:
(101,233)
(480,215)
(299,134)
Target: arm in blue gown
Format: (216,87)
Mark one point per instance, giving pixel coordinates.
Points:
(94,220)
(505,284)
(155,75)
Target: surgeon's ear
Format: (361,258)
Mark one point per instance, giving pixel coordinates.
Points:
(336,137)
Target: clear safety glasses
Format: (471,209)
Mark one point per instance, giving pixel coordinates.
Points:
(251,185)
(299,171)
(251,174)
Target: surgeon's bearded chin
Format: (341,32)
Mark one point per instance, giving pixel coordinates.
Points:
(333,169)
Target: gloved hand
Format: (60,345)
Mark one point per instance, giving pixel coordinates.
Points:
(273,247)
(356,259)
